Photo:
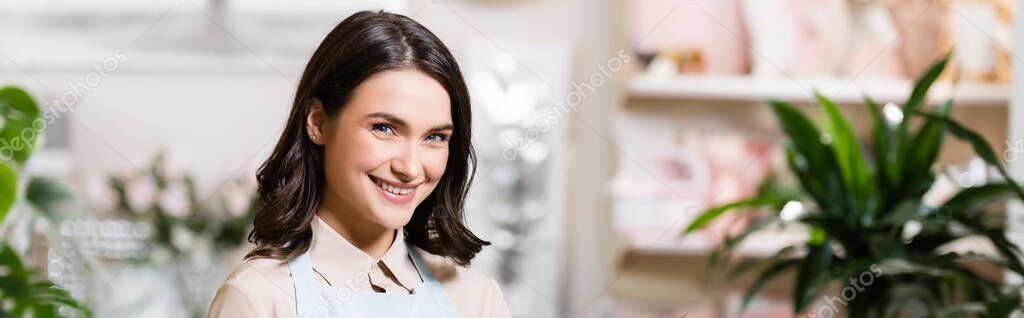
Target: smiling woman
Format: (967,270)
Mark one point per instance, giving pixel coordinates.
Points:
(362,198)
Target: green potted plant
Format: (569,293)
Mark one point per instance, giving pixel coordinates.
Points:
(858,209)
(25,291)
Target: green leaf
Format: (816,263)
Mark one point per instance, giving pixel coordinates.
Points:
(44,311)
(750,263)
(818,236)
(811,160)
(802,134)
(904,211)
(721,254)
(846,146)
(18,135)
(913,104)
(980,146)
(966,280)
(1008,249)
(26,291)
(1004,305)
(715,212)
(852,166)
(759,223)
(19,102)
(917,97)
(884,151)
(771,271)
(8,189)
(11,262)
(851,239)
(48,196)
(813,268)
(972,198)
(922,151)
(869,297)
(854,268)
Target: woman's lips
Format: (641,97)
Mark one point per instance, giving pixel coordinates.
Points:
(395,193)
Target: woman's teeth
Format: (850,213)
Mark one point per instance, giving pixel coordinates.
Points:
(393,189)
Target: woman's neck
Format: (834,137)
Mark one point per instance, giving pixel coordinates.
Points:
(370,237)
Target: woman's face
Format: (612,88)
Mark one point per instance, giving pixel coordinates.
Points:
(387,148)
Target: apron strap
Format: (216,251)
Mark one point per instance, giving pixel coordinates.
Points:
(430,285)
(305,286)
(421,266)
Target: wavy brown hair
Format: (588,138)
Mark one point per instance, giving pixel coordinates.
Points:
(291,180)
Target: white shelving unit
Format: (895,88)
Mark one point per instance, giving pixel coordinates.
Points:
(757,245)
(689,94)
(767,243)
(687,89)
(844,91)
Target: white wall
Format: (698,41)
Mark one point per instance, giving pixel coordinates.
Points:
(1015,211)
(210,125)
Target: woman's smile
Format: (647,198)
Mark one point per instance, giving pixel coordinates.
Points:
(395,192)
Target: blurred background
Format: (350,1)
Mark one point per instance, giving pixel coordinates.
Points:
(604,128)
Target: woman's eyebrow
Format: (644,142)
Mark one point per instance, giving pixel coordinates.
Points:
(443,127)
(400,122)
(388,117)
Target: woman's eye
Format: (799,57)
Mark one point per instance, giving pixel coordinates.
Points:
(437,138)
(383,128)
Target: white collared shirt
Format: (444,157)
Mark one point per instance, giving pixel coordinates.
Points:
(262,287)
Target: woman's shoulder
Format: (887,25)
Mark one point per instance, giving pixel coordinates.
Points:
(455,276)
(473,292)
(445,269)
(257,273)
(258,287)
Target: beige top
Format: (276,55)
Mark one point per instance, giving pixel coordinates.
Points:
(262,287)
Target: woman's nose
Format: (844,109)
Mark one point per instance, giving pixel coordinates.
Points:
(406,164)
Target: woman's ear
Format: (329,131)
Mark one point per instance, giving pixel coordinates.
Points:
(315,121)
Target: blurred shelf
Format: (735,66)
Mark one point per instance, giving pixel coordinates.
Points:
(758,245)
(767,243)
(843,91)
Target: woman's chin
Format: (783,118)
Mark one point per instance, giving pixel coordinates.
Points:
(393,219)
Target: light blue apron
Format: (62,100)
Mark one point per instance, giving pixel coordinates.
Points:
(316,300)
